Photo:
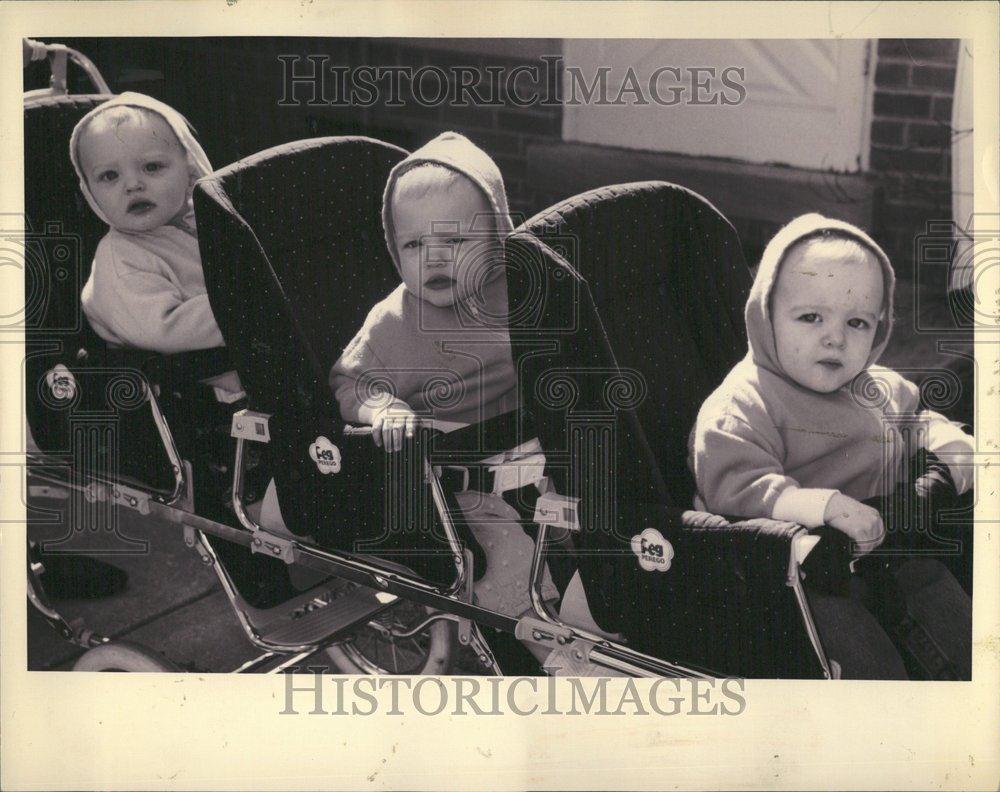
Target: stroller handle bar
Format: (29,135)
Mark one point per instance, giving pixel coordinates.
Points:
(58,54)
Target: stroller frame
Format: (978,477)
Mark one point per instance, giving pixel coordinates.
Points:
(453,602)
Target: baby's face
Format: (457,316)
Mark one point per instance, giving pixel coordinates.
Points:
(137,171)
(442,260)
(825,310)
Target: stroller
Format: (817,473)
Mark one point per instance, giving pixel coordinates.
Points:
(283,233)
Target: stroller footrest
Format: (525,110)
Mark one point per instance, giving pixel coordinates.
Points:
(325,616)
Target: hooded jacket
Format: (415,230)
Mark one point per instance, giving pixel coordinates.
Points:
(196,157)
(451,363)
(765,446)
(147,289)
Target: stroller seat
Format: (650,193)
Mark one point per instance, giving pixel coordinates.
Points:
(294,256)
(665,278)
(105,419)
(131,425)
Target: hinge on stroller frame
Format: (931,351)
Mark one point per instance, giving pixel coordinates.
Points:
(274,546)
(132,498)
(465,625)
(249,425)
(532,629)
(99,492)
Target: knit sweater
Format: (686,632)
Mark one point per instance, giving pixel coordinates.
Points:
(765,446)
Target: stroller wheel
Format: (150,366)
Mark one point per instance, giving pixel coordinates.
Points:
(123,656)
(373,649)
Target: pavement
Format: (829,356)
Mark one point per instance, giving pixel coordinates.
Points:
(172,602)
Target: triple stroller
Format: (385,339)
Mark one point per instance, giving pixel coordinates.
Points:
(379,539)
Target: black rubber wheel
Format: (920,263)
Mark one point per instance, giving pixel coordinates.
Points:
(124,656)
(369,651)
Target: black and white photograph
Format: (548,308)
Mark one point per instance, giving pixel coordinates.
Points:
(624,372)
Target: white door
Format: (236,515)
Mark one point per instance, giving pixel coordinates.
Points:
(806,102)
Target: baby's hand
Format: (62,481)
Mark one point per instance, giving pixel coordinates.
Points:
(934,485)
(392,424)
(862,523)
(936,480)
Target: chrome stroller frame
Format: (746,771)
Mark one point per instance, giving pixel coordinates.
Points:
(385,585)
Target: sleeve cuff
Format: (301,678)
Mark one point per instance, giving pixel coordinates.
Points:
(956,449)
(945,433)
(806,506)
(961,462)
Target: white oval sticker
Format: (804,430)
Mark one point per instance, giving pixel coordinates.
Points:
(655,553)
(61,382)
(325,454)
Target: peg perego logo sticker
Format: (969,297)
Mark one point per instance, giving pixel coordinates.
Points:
(61,383)
(655,553)
(326,455)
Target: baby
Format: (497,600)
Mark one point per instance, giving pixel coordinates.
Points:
(437,348)
(138,161)
(796,430)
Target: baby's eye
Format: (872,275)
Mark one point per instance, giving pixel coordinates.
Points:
(411,245)
(153,167)
(107,176)
(810,318)
(455,240)
(858,324)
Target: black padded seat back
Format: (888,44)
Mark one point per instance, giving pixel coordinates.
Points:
(61,235)
(294,256)
(669,280)
(655,324)
(580,400)
(55,210)
(107,422)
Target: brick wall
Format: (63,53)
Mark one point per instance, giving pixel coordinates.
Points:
(911,140)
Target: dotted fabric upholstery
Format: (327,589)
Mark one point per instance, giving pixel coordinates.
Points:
(52,197)
(663,274)
(669,280)
(294,257)
(305,221)
(61,231)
